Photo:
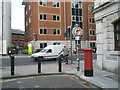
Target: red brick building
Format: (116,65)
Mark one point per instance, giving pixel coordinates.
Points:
(50,19)
(18,39)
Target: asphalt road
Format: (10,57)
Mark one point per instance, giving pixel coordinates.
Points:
(47,81)
(26,60)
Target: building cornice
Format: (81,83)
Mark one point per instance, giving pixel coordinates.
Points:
(102,6)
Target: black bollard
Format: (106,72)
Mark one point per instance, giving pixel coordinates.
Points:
(60,64)
(39,64)
(78,68)
(12,64)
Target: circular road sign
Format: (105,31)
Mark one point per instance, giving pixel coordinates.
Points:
(77,31)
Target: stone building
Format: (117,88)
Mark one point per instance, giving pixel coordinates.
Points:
(107,16)
(5,26)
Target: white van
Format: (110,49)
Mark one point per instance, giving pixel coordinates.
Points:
(49,52)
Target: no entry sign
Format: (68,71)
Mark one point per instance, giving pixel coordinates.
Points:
(77,31)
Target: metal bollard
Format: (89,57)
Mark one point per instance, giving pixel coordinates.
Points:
(60,64)
(78,67)
(39,64)
(12,64)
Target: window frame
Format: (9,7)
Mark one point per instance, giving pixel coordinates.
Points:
(90,8)
(44,31)
(92,32)
(56,31)
(56,18)
(92,44)
(116,33)
(43,45)
(56,4)
(44,16)
(29,20)
(42,3)
(91,20)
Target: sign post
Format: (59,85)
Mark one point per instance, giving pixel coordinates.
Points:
(77,32)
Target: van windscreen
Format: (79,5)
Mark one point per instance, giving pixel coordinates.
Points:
(44,50)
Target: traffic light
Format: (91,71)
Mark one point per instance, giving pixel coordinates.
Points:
(68,32)
(35,36)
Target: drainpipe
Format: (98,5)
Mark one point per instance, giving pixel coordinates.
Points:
(2,27)
(65,18)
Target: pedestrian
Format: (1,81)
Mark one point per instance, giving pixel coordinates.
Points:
(74,51)
(65,51)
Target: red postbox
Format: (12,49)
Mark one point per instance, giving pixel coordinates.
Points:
(88,62)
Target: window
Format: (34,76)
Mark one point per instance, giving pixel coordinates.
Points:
(43,2)
(56,17)
(77,5)
(29,7)
(43,17)
(92,32)
(29,20)
(91,20)
(77,18)
(92,45)
(43,31)
(26,12)
(49,51)
(90,8)
(77,13)
(56,4)
(56,43)
(73,5)
(43,45)
(26,23)
(117,35)
(56,31)
(73,18)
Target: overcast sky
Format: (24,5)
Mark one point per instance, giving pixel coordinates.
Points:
(17,15)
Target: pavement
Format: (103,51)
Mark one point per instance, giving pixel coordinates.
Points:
(100,78)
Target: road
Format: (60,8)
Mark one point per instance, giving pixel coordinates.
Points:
(26,60)
(48,81)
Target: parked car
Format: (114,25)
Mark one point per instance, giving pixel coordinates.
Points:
(49,52)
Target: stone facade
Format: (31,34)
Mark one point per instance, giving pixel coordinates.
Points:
(105,14)
(5,26)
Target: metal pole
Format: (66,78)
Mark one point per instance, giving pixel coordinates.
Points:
(12,64)
(39,64)
(65,18)
(78,68)
(71,43)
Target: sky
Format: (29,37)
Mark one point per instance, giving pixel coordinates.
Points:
(17,14)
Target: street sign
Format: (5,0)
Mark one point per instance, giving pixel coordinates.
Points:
(77,31)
